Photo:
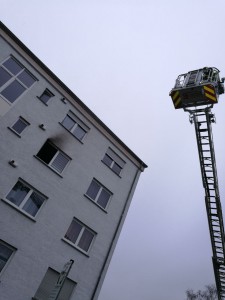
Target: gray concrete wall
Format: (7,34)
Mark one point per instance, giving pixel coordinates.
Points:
(39,242)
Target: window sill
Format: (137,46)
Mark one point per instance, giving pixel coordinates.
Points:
(71,133)
(16,133)
(74,246)
(48,166)
(99,206)
(111,169)
(18,209)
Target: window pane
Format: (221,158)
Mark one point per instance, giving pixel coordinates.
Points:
(86,240)
(12,66)
(13,91)
(73,231)
(79,132)
(103,198)
(107,160)
(68,123)
(33,204)
(26,78)
(4,76)
(19,126)
(93,190)
(46,96)
(5,253)
(116,168)
(47,152)
(18,193)
(59,162)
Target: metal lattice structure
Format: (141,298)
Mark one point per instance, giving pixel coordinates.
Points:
(203,119)
(196,92)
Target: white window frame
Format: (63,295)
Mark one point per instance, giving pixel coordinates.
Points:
(116,160)
(75,244)
(15,78)
(50,164)
(26,198)
(10,258)
(19,119)
(102,187)
(77,123)
(48,93)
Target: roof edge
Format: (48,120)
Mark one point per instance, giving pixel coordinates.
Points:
(81,103)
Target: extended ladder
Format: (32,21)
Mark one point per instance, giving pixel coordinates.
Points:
(202,119)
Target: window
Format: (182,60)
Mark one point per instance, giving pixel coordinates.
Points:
(98,194)
(26,198)
(15,79)
(53,157)
(113,161)
(45,96)
(6,252)
(48,283)
(81,236)
(19,126)
(75,126)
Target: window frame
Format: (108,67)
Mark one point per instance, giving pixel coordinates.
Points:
(25,200)
(77,123)
(48,93)
(116,160)
(49,278)
(19,119)
(49,165)
(10,258)
(15,78)
(102,188)
(75,244)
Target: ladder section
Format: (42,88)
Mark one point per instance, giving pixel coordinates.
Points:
(203,118)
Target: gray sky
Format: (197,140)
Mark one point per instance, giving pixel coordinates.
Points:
(121,58)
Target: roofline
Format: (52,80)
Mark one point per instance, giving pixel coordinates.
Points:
(50,73)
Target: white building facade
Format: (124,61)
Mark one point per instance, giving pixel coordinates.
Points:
(66,183)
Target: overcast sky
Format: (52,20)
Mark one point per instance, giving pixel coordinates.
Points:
(121,58)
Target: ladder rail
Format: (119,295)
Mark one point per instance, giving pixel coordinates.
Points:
(202,119)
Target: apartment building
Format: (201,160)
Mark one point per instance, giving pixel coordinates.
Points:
(66,184)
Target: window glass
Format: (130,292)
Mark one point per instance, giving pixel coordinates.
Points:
(5,253)
(85,240)
(53,157)
(18,193)
(93,189)
(48,284)
(79,132)
(46,96)
(103,198)
(4,76)
(12,66)
(13,91)
(116,168)
(33,204)
(68,123)
(107,160)
(15,79)
(19,126)
(26,78)
(73,231)
(26,198)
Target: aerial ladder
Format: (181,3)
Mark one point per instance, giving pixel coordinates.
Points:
(196,92)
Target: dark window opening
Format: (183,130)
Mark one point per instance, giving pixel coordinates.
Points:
(47,152)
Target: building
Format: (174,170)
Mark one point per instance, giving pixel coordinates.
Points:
(66,183)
